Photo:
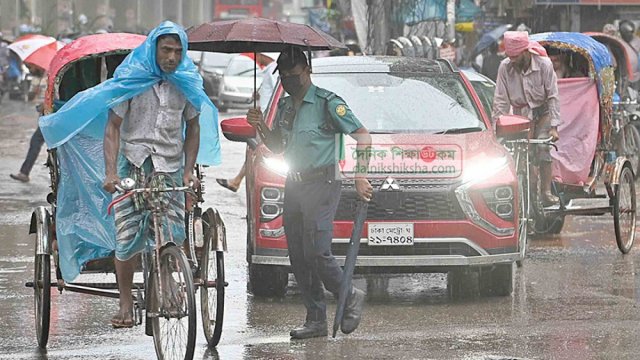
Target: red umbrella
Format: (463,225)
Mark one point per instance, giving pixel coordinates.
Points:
(36,50)
(258,35)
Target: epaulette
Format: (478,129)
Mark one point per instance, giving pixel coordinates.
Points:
(325,94)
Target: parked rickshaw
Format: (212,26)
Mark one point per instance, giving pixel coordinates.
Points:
(591,176)
(80,246)
(626,111)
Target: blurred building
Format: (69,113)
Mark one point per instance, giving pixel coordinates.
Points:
(60,16)
(561,15)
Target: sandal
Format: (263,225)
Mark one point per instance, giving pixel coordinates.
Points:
(119,323)
(225,184)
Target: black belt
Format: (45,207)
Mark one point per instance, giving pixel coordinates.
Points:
(321,173)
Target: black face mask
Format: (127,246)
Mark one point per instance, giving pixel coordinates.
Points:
(292,84)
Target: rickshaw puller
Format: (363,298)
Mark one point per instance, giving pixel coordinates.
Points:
(148,128)
(527,83)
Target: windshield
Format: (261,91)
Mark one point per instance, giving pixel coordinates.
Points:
(240,66)
(387,103)
(485,91)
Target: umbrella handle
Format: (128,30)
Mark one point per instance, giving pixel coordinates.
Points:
(255,71)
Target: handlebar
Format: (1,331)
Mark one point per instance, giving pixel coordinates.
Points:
(548,141)
(130,192)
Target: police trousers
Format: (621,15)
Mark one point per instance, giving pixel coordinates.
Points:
(309,209)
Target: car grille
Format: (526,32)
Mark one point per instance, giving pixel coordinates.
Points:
(403,205)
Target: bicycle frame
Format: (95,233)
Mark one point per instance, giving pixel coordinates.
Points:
(158,211)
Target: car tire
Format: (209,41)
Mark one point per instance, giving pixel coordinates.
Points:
(462,283)
(496,280)
(268,280)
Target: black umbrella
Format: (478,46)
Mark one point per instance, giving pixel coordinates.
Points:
(258,35)
(490,37)
(350,262)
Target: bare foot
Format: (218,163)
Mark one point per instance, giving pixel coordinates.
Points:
(123,319)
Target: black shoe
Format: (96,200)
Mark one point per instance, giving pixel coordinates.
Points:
(353,312)
(20,177)
(310,329)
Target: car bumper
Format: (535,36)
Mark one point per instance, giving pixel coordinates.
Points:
(405,261)
(431,262)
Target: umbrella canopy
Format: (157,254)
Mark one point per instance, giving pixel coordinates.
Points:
(36,50)
(489,38)
(257,35)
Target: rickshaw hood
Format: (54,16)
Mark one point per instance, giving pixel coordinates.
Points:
(87,46)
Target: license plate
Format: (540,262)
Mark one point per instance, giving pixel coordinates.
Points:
(390,234)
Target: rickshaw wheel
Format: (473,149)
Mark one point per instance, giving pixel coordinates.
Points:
(42,297)
(624,210)
(555,223)
(212,277)
(174,321)
(632,144)
(523,214)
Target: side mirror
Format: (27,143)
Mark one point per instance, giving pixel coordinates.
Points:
(238,129)
(512,127)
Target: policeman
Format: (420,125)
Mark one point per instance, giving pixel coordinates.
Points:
(306,126)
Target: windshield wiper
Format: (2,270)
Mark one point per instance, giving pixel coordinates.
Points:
(460,130)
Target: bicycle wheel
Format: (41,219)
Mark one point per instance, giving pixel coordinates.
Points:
(172,306)
(42,297)
(212,296)
(624,210)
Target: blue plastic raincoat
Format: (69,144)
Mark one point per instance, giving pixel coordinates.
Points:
(83,229)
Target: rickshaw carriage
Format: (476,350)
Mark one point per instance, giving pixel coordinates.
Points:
(592,175)
(78,238)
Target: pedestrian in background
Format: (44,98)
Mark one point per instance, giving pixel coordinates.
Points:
(491,62)
(267,86)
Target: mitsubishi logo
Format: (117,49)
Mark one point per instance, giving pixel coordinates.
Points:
(389,184)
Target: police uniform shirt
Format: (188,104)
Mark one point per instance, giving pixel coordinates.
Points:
(309,135)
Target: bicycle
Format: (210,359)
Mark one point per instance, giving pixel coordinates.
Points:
(169,295)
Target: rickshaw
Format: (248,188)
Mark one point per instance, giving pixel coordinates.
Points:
(591,176)
(627,77)
(80,246)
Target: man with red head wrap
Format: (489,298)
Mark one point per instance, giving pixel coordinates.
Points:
(527,84)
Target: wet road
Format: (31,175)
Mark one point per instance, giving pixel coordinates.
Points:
(575,298)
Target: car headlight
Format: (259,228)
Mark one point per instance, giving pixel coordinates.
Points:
(277,165)
(482,170)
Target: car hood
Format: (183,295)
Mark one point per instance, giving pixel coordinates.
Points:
(470,152)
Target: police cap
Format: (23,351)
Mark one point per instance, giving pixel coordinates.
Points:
(289,58)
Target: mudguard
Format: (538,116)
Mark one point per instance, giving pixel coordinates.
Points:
(41,225)
(214,220)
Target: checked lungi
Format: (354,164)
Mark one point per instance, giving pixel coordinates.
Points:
(134,222)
